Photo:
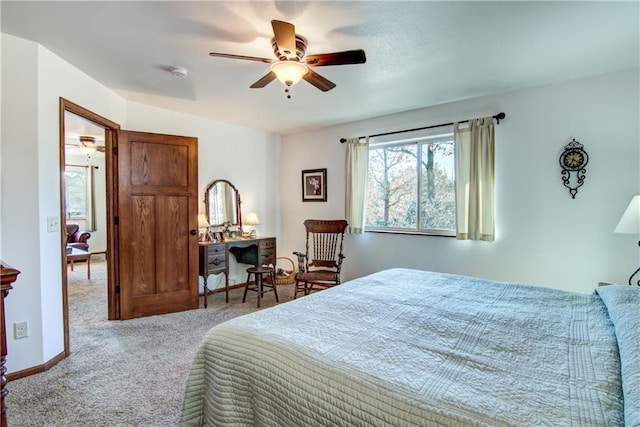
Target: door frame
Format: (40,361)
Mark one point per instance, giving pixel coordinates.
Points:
(111,145)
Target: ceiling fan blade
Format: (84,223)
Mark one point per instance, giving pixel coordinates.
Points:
(101,148)
(268,78)
(285,35)
(318,81)
(336,58)
(248,58)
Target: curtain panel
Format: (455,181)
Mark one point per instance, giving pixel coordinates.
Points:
(475,180)
(356,183)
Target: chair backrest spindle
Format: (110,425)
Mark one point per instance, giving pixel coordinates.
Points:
(324,242)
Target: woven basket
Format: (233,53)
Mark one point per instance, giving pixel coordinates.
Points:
(291,278)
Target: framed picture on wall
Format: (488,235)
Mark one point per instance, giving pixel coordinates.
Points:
(314,185)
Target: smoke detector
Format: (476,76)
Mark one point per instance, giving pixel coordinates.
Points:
(179,71)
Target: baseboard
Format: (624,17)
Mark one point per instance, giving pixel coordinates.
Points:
(36,369)
(231,287)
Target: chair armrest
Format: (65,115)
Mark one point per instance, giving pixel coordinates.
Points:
(84,237)
(339,267)
(301,261)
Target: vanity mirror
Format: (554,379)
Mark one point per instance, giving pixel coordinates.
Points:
(222,202)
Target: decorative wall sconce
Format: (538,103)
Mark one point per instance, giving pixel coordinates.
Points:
(573,161)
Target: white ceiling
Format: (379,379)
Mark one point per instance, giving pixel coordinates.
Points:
(75,127)
(419,53)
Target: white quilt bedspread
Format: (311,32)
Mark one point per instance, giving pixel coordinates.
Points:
(405,347)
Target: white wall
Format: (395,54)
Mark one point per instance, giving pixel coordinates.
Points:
(20,220)
(543,236)
(33,79)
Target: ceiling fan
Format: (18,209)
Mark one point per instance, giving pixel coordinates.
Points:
(292,65)
(88,145)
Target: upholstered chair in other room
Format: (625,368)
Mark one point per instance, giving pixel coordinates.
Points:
(76,238)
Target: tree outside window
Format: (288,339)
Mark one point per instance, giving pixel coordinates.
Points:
(79,195)
(411,186)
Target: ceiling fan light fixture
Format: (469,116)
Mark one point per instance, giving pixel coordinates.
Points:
(289,72)
(88,149)
(87,145)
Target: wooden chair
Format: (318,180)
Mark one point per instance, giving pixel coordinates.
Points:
(319,267)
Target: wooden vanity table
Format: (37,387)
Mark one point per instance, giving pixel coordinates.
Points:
(222,203)
(214,257)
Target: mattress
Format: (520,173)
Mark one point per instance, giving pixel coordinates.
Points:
(409,347)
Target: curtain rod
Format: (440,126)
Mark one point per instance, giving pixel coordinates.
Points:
(498,117)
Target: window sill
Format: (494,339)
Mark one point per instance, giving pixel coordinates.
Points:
(433,233)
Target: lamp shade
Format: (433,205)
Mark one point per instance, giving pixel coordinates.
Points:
(252,219)
(289,72)
(88,149)
(630,221)
(202,221)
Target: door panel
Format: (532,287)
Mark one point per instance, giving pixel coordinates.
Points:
(159,164)
(176,233)
(158,207)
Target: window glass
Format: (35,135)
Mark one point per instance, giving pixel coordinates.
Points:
(437,192)
(77,191)
(407,174)
(392,186)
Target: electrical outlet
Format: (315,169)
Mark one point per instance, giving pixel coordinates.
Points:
(21,330)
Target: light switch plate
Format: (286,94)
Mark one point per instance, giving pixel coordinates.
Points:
(53,224)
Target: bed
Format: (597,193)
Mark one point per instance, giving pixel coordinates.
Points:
(405,347)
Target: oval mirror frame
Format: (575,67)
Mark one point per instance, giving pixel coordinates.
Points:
(222,204)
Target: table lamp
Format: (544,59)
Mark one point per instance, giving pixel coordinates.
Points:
(252,220)
(203,225)
(630,224)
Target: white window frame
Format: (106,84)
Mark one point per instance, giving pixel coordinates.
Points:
(442,136)
(89,218)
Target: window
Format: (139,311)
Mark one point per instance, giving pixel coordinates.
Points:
(411,186)
(79,195)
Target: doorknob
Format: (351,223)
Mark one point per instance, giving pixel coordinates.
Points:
(193,232)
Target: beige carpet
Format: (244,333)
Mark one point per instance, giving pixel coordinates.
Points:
(120,373)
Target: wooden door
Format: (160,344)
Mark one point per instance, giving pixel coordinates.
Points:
(157,223)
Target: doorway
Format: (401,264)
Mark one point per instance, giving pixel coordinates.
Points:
(84,217)
(98,133)
(151,219)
